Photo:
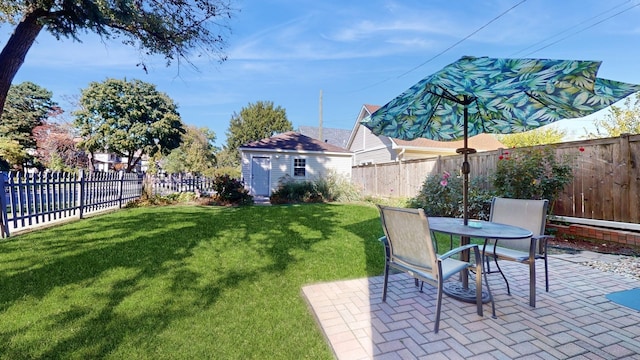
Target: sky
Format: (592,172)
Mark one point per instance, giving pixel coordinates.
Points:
(353,52)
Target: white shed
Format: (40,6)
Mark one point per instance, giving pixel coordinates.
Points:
(266,161)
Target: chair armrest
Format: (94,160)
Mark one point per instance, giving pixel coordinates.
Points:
(452,252)
(385,242)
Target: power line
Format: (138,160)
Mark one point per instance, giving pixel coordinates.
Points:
(570,28)
(587,28)
(445,50)
(463,39)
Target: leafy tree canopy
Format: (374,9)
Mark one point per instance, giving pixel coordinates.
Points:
(540,136)
(619,120)
(171,28)
(56,149)
(195,155)
(28,105)
(256,121)
(128,118)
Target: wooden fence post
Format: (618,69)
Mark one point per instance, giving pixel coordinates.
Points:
(622,177)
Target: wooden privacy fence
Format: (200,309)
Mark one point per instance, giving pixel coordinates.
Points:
(31,200)
(606,183)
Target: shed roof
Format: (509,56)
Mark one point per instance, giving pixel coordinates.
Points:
(293,141)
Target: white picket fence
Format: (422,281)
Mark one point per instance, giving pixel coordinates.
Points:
(32,200)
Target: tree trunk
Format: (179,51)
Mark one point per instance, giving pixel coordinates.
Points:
(14,52)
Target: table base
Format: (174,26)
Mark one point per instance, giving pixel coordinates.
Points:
(457,291)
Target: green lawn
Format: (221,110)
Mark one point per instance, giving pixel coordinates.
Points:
(181,282)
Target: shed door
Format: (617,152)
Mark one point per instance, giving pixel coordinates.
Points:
(260,174)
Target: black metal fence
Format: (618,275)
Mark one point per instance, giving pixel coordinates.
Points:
(32,200)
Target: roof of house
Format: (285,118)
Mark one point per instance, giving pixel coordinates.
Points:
(338,137)
(478,142)
(372,108)
(294,141)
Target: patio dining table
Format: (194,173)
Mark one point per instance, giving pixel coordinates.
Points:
(463,290)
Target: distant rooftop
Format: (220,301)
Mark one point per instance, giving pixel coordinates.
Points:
(337,137)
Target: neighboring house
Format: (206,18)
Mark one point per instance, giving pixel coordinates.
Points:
(105,162)
(337,137)
(371,149)
(290,154)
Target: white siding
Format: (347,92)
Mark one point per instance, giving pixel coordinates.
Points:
(317,165)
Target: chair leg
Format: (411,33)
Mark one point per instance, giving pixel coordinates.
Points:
(386,280)
(532,282)
(503,276)
(479,290)
(546,272)
(438,306)
(493,303)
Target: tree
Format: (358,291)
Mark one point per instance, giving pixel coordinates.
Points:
(171,28)
(256,121)
(620,120)
(56,148)
(128,118)
(11,153)
(540,136)
(28,106)
(195,155)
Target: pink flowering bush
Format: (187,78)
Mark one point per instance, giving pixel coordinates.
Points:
(532,174)
(441,195)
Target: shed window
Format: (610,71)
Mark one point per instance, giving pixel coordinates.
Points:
(299,167)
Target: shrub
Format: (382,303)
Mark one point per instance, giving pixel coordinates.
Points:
(335,187)
(331,187)
(291,191)
(533,173)
(230,191)
(442,196)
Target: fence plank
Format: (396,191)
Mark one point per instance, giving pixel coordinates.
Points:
(606,184)
(36,199)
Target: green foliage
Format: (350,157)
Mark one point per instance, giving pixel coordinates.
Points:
(540,136)
(12,154)
(158,200)
(619,120)
(128,118)
(170,28)
(230,191)
(255,122)
(28,106)
(534,173)
(442,196)
(195,155)
(175,29)
(331,187)
(290,191)
(338,188)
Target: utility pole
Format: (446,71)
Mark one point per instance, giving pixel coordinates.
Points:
(320,119)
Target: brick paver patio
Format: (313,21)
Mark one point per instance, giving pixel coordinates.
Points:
(574,320)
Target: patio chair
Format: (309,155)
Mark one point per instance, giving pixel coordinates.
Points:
(409,248)
(528,214)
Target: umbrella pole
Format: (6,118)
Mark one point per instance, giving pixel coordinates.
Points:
(465,169)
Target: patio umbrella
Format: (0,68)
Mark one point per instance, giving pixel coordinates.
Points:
(491,95)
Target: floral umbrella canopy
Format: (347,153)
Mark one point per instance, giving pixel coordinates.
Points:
(477,95)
